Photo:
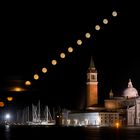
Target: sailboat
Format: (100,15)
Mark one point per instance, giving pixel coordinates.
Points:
(41,119)
(48,117)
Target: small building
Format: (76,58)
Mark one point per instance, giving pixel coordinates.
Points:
(92,119)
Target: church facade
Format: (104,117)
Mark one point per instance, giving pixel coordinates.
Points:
(128,105)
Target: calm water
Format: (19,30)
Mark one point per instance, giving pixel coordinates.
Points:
(64,133)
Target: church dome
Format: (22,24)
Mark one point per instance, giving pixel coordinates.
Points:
(130,91)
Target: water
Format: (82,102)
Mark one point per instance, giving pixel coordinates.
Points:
(64,133)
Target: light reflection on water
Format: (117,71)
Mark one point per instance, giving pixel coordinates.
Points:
(64,133)
(7,132)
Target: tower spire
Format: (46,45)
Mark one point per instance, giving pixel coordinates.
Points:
(92,65)
(111,94)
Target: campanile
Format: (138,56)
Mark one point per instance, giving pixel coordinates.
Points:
(92,85)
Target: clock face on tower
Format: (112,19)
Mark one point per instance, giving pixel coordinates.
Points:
(92,77)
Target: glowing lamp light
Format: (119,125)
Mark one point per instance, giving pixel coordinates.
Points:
(79,42)
(27,83)
(117,125)
(70,49)
(36,76)
(1,104)
(97,27)
(105,21)
(54,62)
(62,55)
(9,98)
(44,70)
(7,116)
(114,13)
(87,35)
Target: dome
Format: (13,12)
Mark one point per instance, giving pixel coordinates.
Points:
(130,91)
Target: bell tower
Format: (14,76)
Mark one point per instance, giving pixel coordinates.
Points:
(92,85)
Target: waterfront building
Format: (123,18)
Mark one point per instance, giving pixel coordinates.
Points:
(123,110)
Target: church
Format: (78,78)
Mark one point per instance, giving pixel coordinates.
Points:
(123,110)
(128,104)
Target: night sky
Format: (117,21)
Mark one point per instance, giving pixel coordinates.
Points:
(34,34)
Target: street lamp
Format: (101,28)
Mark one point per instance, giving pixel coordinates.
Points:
(7,118)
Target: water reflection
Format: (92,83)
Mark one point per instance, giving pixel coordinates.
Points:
(7,132)
(78,133)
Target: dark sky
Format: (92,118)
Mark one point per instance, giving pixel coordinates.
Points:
(33,34)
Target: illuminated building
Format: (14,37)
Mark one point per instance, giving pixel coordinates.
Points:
(128,105)
(94,114)
(92,85)
(123,110)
